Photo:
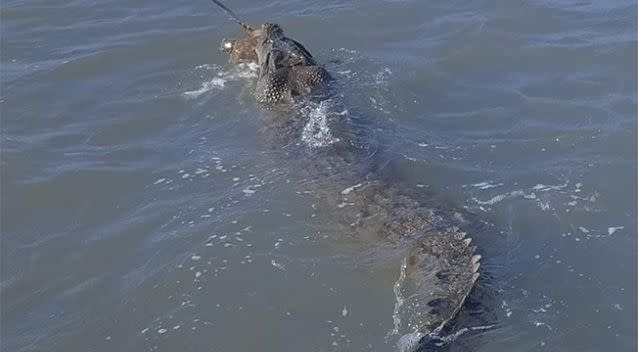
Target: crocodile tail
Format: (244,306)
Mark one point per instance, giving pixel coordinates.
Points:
(441,269)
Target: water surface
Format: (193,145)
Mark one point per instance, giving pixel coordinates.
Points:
(144,207)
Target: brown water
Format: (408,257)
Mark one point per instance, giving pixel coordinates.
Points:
(143,209)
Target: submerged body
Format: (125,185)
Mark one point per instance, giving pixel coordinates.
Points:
(441,266)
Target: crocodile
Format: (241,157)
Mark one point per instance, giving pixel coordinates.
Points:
(441,265)
(286,67)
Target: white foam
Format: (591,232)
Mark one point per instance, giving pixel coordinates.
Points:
(486,185)
(204,67)
(316,133)
(613,229)
(447,339)
(215,83)
(412,159)
(242,71)
(253,67)
(508,310)
(396,318)
(535,193)
(500,198)
(350,189)
(409,341)
(544,188)
(278,265)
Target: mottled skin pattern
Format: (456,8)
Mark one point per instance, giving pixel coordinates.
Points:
(286,68)
(441,266)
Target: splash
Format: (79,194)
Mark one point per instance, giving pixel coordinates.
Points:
(396,317)
(551,198)
(241,72)
(409,341)
(215,83)
(316,133)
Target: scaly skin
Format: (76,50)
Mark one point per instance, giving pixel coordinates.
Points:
(286,68)
(441,267)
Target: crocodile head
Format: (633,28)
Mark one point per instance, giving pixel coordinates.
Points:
(273,84)
(272,49)
(286,68)
(242,50)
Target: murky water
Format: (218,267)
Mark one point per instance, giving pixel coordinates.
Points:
(146,205)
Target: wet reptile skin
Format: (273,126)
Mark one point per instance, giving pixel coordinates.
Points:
(441,266)
(286,68)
